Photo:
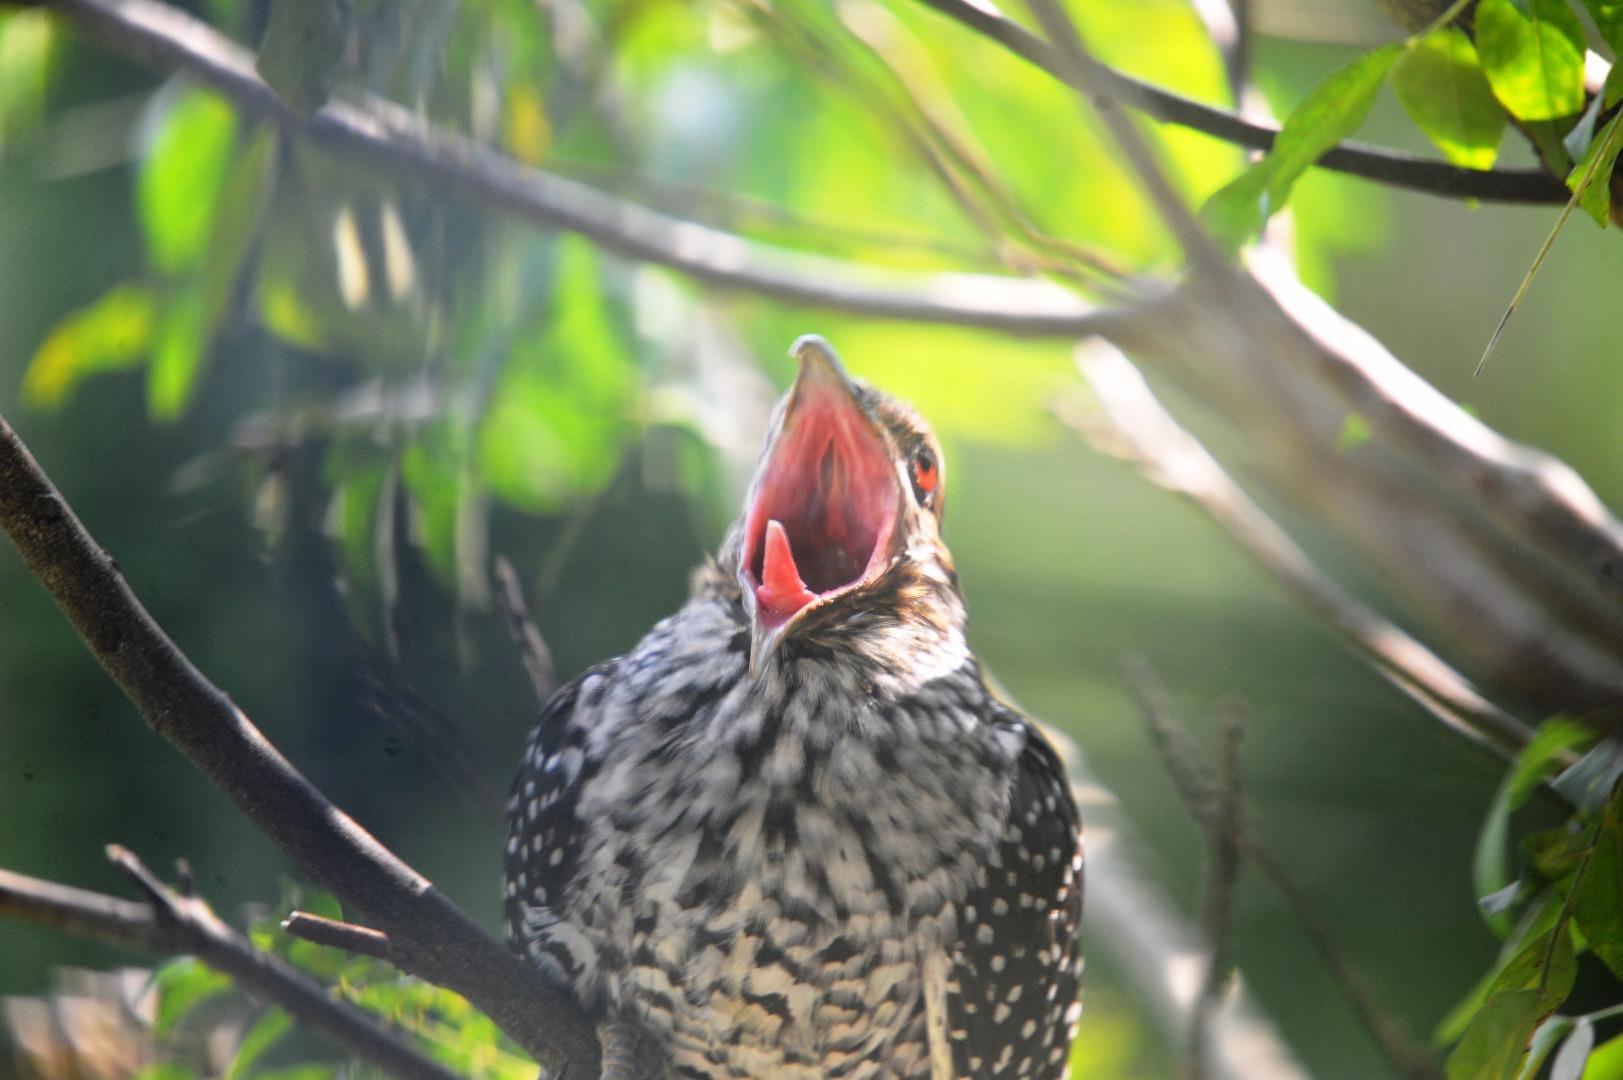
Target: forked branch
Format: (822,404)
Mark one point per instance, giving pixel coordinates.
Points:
(431,936)
(172,922)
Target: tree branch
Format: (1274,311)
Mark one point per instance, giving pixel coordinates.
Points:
(1133,424)
(431,936)
(387,138)
(1155,948)
(1372,163)
(1204,798)
(170,922)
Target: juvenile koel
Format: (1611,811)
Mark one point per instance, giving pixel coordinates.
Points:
(792,834)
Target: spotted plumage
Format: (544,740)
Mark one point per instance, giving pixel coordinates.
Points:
(791,833)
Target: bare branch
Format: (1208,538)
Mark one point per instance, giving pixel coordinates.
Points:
(361,940)
(1079,69)
(432,937)
(1222,875)
(1195,786)
(170,922)
(390,139)
(1155,948)
(1138,427)
(532,647)
(1372,163)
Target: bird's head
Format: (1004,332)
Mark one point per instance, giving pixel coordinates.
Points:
(840,543)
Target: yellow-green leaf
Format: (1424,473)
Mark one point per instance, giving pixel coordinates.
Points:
(181,177)
(1440,84)
(112,334)
(25,69)
(1331,112)
(1591,178)
(1533,54)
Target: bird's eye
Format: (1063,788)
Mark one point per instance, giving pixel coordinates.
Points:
(926,475)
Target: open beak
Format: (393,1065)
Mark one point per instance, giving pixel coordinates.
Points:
(825,505)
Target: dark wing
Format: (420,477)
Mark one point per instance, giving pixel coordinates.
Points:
(544,833)
(1012,992)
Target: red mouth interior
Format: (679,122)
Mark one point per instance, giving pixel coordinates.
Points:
(826,506)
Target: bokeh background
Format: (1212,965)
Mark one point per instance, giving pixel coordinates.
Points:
(594,421)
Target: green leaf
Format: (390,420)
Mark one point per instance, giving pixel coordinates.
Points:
(304,42)
(1440,84)
(267,1031)
(177,352)
(26,38)
(1556,852)
(1591,178)
(1533,54)
(559,414)
(1489,868)
(1606,1061)
(1569,1060)
(1598,903)
(1493,1046)
(112,334)
(1526,991)
(182,985)
(1331,112)
(180,179)
(194,313)
(1608,16)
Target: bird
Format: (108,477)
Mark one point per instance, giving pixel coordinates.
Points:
(793,833)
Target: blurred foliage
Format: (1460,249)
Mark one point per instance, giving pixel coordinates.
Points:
(360,381)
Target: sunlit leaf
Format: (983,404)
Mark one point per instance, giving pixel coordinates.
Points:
(560,410)
(267,1031)
(193,314)
(112,334)
(181,177)
(1606,1061)
(1331,112)
(26,39)
(1440,84)
(1533,54)
(182,985)
(177,352)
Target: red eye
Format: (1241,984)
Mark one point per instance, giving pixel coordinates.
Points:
(925,474)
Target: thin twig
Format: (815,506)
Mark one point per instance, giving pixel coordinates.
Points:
(391,139)
(532,647)
(361,940)
(1134,424)
(1195,786)
(1081,70)
(432,937)
(170,922)
(1223,844)
(1129,917)
(1372,163)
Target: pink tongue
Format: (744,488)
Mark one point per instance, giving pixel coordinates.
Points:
(781,593)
